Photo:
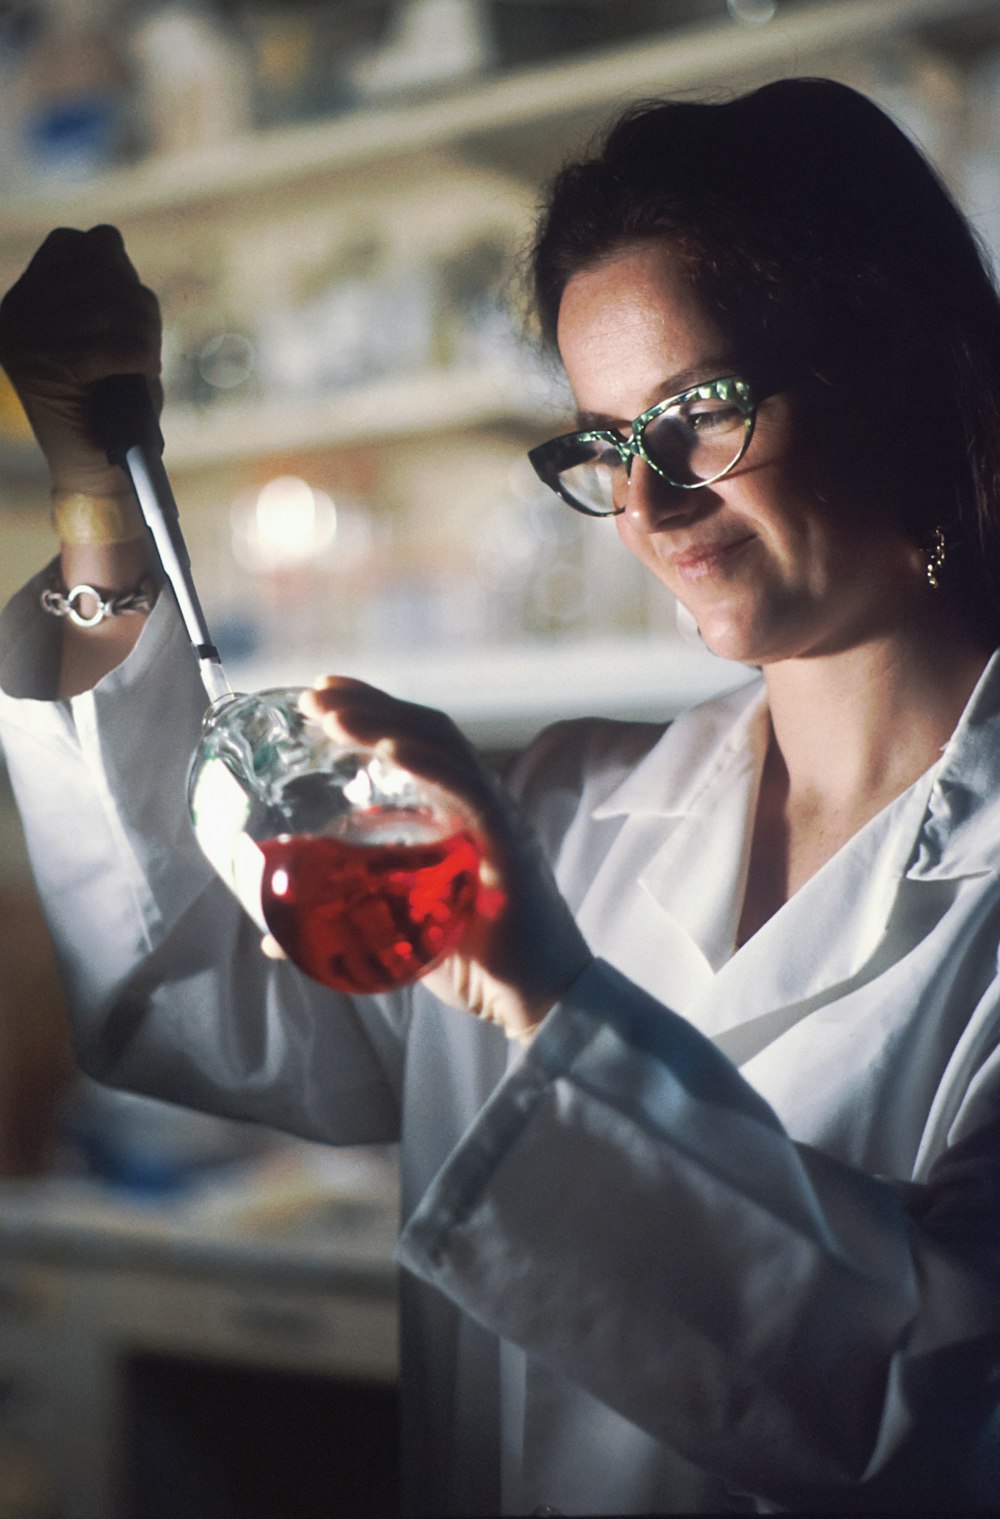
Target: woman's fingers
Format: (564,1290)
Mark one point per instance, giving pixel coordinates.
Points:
(419,738)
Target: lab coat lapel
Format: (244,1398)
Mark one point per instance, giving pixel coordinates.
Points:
(961,832)
(829,937)
(687,844)
(945,828)
(824,941)
(708,848)
(684,840)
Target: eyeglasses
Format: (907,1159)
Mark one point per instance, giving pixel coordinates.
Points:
(690,440)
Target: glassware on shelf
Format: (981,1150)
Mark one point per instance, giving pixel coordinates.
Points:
(430,43)
(365,874)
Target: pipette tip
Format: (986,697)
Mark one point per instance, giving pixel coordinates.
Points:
(213,678)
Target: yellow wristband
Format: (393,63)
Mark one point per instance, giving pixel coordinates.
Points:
(79,518)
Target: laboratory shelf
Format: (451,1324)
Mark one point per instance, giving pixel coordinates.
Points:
(482,109)
(503,694)
(393,408)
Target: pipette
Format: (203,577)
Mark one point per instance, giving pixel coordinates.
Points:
(124,420)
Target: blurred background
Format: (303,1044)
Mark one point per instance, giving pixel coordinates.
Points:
(332,199)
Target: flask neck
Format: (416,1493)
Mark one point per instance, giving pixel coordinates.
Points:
(218,708)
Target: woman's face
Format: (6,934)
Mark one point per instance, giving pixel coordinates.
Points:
(768,569)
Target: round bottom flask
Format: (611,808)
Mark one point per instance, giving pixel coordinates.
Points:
(366,875)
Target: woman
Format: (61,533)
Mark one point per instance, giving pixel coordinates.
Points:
(716,1227)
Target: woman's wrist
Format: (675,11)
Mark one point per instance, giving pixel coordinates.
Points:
(111,568)
(84,519)
(87,606)
(522,1019)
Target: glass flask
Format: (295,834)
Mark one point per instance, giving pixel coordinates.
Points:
(365,874)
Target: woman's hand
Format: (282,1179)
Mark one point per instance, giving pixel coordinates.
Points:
(524,948)
(76,315)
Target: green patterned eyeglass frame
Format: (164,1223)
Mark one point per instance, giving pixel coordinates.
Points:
(549,459)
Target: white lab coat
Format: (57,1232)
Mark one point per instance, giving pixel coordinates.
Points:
(637,1279)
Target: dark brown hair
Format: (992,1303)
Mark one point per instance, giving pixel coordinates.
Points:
(823,241)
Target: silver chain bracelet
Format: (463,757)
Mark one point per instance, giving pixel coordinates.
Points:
(64,603)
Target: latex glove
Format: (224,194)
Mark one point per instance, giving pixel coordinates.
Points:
(525,949)
(77,314)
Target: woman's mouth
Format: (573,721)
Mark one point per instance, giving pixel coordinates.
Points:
(703,560)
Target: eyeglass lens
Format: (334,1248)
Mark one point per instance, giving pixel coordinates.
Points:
(697,438)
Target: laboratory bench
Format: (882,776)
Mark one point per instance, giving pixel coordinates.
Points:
(220,1346)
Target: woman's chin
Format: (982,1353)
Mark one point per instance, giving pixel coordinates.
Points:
(729,641)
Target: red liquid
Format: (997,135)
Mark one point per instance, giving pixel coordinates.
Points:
(368,917)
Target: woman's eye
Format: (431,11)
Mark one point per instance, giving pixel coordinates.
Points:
(714,418)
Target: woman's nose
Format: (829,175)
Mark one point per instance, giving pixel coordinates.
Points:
(650,502)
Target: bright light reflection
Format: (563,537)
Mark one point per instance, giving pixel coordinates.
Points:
(288,523)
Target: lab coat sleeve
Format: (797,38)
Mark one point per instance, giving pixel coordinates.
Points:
(169,992)
(631,1212)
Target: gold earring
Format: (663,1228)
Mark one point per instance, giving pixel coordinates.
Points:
(935,559)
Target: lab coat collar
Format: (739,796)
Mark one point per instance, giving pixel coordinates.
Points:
(700,783)
(960,835)
(684,771)
(685,768)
